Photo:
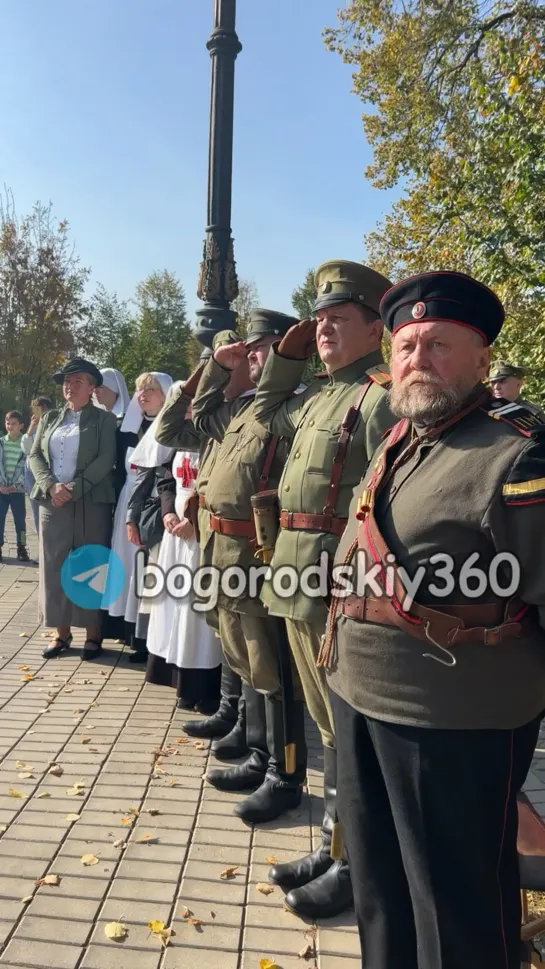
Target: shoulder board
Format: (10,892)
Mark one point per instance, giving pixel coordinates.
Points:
(518,416)
(321,375)
(380,375)
(525,483)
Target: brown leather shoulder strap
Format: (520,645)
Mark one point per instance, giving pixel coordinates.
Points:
(347,427)
(267,464)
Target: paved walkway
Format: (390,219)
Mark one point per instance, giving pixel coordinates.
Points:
(129,790)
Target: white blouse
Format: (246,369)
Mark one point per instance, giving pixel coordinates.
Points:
(64,446)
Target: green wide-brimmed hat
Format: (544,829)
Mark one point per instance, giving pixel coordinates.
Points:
(78,365)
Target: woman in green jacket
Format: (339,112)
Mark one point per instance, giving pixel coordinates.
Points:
(72,459)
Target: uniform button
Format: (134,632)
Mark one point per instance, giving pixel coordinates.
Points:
(329,393)
(297,454)
(286,487)
(311,423)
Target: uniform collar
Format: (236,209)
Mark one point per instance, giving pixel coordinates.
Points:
(420,431)
(353,371)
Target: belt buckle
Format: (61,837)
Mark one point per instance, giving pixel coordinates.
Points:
(492,636)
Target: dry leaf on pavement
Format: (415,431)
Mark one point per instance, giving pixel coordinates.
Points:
(13,793)
(78,790)
(182,740)
(25,775)
(120,843)
(56,770)
(229,872)
(86,740)
(48,880)
(134,811)
(27,898)
(72,817)
(24,668)
(116,931)
(127,821)
(123,689)
(185,912)
(267,964)
(264,888)
(43,794)
(195,922)
(146,839)
(88,860)
(20,764)
(3,827)
(23,634)
(27,677)
(307,952)
(152,811)
(271,860)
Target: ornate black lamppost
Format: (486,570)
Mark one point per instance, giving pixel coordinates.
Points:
(218,283)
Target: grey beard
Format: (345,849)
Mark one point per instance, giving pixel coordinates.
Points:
(419,407)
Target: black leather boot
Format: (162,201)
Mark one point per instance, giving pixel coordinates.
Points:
(222,722)
(250,774)
(328,895)
(279,791)
(296,873)
(234,744)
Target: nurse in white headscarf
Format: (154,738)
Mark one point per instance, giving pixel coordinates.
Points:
(113,394)
(151,390)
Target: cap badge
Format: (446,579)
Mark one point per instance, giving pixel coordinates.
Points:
(326,287)
(418,311)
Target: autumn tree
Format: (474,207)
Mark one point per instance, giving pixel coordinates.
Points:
(43,309)
(453,95)
(112,327)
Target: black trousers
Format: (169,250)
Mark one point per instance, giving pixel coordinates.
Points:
(430,823)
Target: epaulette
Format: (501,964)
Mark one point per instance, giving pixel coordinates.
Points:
(380,375)
(518,416)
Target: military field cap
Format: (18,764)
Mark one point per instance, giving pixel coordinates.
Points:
(339,281)
(268,323)
(449,297)
(79,365)
(205,355)
(502,368)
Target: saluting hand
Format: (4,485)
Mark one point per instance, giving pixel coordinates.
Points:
(190,386)
(299,342)
(230,356)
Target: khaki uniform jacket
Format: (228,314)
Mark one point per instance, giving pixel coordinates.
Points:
(479,487)
(96,455)
(234,478)
(312,421)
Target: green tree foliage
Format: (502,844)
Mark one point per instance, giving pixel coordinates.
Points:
(43,311)
(454,95)
(303,299)
(113,328)
(246,301)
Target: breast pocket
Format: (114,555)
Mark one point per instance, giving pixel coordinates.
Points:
(244,443)
(323,446)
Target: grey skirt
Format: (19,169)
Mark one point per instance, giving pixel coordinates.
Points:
(61,530)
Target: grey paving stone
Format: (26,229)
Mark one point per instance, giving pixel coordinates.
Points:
(33,953)
(50,930)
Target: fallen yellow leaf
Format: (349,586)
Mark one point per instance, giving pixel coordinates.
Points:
(164,936)
(123,689)
(271,860)
(27,898)
(48,880)
(116,931)
(182,740)
(267,964)
(20,764)
(25,775)
(43,794)
(194,922)
(73,817)
(264,888)
(120,843)
(185,912)
(23,634)
(229,872)
(78,790)
(134,811)
(13,793)
(86,740)
(88,860)
(127,821)
(3,827)
(24,668)
(28,676)
(156,926)
(146,839)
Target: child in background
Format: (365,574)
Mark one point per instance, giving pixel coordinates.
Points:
(39,407)
(12,482)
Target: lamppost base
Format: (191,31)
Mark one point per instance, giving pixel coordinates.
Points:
(212,320)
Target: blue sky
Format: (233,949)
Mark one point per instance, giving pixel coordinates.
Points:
(104,110)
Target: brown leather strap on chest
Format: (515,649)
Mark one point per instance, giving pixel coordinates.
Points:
(347,429)
(202,501)
(267,464)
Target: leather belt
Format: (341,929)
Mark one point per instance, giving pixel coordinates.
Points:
(448,626)
(300,521)
(202,501)
(232,526)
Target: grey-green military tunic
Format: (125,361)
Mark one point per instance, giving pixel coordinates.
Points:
(312,420)
(247,634)
(479,487)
